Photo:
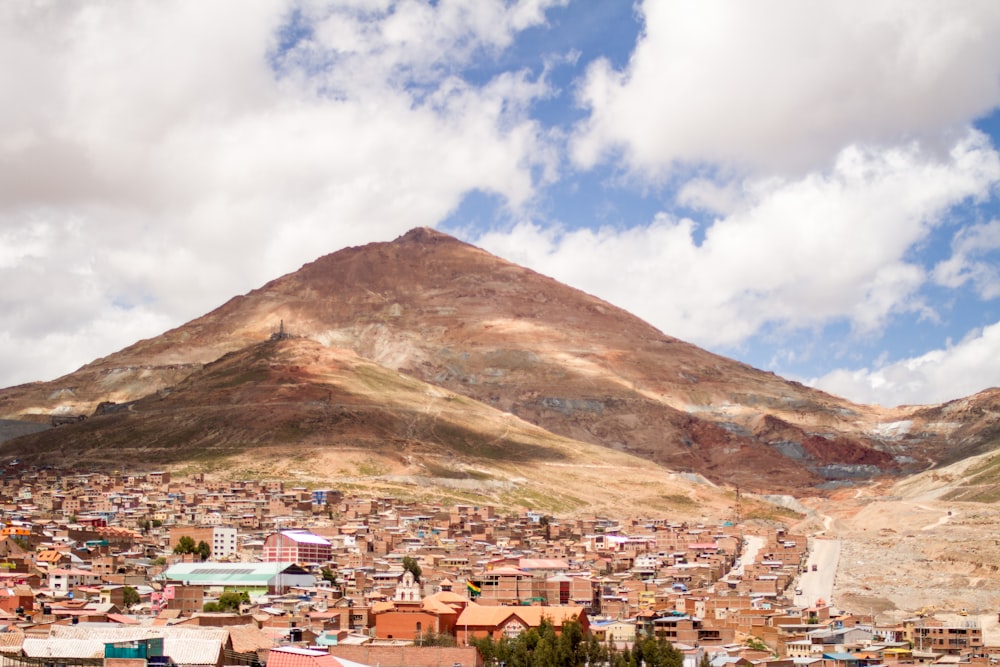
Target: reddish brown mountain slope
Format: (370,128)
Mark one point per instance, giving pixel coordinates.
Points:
(452,315)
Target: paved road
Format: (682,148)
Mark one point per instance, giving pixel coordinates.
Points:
(751,545)
(748,555)
(825,555)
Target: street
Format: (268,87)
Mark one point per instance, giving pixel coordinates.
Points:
(818,584)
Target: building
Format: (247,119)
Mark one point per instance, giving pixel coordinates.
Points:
(221,539)
(929,634)
(296,656)
(477,621)
(410,616)
(254,578)
(297,546)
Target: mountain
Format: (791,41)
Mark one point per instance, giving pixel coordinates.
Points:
(429,309)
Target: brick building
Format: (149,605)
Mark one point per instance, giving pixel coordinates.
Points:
(297,546)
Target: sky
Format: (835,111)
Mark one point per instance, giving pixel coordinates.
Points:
(810,187)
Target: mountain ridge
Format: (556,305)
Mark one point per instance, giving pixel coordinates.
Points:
(451,315)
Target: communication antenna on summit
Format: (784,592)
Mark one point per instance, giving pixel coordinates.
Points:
(280,333)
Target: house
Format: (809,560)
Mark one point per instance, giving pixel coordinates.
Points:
(478,621)
(294,656)
(619,632)
(297,546)
(409,616)
(62,581)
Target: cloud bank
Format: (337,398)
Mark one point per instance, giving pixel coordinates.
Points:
(163,157)
(814,166)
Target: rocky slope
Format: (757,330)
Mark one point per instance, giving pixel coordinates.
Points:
(446,314)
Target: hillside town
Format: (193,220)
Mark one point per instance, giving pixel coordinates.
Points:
(127,570)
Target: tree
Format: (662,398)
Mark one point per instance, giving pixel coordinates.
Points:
(654,652)
(204,550)
(328,575)
(185,545)
(431,638)
(545,647)
(411,565)
(130,597)
(229,601)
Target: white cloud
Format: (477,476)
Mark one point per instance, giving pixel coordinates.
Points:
(156,162)
(786,84)
(934,377)
(791,253)
(974,259)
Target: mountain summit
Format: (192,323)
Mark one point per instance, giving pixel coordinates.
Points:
(461,322)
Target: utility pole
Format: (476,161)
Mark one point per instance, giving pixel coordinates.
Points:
(739,507)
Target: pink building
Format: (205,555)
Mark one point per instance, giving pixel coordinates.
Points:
(296,546)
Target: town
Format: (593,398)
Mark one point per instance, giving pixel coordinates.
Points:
(129,569)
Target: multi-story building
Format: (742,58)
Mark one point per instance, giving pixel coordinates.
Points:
(222,539)
(297,546)
(929,634)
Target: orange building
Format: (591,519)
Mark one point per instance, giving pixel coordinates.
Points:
(409,616)
(478,621)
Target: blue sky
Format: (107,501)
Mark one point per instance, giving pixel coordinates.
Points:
(809,187)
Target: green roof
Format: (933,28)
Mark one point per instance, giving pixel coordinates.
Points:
(231,574)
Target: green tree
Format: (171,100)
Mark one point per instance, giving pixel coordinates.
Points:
(431,638)
(328,575)
(185,545)
(653,652)
(229,601)
(130,597)
(544,646)
(411,565)
(203,550)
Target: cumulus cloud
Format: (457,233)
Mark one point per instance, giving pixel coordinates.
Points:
(974,259)
(786,85)
(789,253)
(934,377)
(158,161)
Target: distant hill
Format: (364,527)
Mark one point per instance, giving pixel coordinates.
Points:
(430,347)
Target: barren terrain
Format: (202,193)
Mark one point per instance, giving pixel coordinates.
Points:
(427,368)
(903,551)
(444,313)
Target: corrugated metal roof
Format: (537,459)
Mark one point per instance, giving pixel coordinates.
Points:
(10,642)
(186,645)
(253,574)
(190,651)
(113,632)
(305,537)
(63,648)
